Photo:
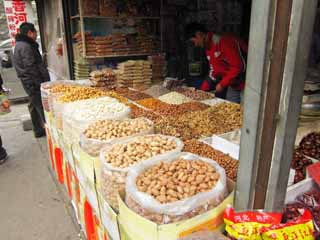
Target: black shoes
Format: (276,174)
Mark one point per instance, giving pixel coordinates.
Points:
(3,157)
(40,134)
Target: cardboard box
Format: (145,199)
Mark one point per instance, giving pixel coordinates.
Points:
(109,219)
(87,217)
(84,165)
(134,227)
(298,189)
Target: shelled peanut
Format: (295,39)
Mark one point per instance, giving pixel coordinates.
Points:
(177,180)
(139,149)
(224,160)
(110,129)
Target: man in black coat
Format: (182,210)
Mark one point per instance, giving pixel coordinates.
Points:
(32,71)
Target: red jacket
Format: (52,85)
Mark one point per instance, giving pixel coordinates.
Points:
(225,59)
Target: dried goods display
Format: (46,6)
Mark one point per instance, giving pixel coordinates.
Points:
(103,132)
(310,145)
(90,8)
(229,164)
(189,177)
(96,109)
(117,159)
(81,69)
(156,91)
(166,109)
(175,128)
(137,112)
(78,115)
(134,73)
(309,200)
(132,94)
(299,164)
(174,98)
(195,94)
(104,78)
(175,188)
(222,118)
(116,44)
(158,64)
(81,93)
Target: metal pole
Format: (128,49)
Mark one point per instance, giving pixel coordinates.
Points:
(272,100)
(258,63)
(299,42)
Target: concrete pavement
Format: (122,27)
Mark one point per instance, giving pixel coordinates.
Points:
(32,205)
(11,81)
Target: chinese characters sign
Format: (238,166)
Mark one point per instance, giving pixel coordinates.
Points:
(16,12)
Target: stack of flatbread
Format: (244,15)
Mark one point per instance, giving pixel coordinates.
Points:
(134,74)
(104,45)
(105,78)
(158,63)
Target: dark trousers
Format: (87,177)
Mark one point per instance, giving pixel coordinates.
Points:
(3,152)
(36,112)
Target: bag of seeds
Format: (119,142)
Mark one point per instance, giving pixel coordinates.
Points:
(108,132)
(171,189)
(119,158)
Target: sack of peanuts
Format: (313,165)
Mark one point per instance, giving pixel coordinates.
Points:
(108,132)
(175,188)
(119,158)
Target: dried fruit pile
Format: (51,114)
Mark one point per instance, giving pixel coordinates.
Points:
(177,180)
(299,164)
(229,164)
(219,119)
(166,109)
(310,145)
(309,200)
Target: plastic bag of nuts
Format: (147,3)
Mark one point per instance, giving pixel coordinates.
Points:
(175,188)
(104,132)
(117,159)
(77,116)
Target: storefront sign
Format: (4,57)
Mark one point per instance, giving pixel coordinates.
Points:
(16,13)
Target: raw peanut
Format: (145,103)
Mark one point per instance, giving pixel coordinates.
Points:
(138,150)
(204,150)
(179,183)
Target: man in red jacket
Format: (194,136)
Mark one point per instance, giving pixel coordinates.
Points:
(226,56)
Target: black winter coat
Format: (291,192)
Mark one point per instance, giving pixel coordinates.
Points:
(29,65)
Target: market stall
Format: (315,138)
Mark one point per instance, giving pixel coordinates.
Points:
(143,160)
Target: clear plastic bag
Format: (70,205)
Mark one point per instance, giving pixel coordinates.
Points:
(47,97)
(113,179)
(150,208)
(76,119)
(94,146)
